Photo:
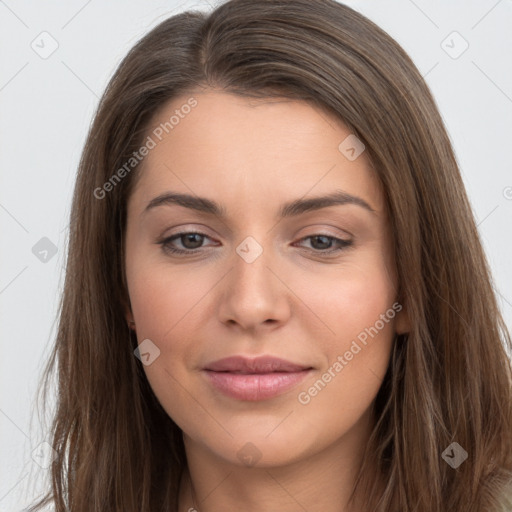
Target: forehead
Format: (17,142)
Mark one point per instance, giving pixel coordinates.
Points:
(243,148)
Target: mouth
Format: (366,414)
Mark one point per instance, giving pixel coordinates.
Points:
(256,379)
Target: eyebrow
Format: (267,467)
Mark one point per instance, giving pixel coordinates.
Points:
(291,209)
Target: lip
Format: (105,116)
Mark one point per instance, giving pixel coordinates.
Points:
(254,379)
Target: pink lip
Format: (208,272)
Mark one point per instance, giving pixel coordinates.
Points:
(254,379)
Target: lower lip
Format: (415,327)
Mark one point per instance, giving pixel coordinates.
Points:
(257,386)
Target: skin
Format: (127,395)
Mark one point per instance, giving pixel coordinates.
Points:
(294,301)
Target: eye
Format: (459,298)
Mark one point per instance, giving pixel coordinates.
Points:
(324,243)
(191,241)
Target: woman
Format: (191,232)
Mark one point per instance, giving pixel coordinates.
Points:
(275,292)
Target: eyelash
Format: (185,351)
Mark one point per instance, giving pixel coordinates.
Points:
(165,243)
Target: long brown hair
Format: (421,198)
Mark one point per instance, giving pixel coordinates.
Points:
(449,380)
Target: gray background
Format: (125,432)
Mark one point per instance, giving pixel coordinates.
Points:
(46,105)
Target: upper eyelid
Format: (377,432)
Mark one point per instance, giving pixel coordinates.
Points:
(201,231)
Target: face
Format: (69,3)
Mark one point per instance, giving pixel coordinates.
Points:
(261,270)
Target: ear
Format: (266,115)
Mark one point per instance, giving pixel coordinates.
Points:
(402,321)
(128,314)
(129,319)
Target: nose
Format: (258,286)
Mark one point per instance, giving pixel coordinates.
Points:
(253,293)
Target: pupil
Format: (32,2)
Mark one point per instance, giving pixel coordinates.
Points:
(322,246)
(190,238)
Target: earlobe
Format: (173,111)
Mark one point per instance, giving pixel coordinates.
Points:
(128,314)
(130,321)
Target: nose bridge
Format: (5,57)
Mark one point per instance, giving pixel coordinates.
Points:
(252,293)
(251,273)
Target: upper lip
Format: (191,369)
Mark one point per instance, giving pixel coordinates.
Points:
(262,364)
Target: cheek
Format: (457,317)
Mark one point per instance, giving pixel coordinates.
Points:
(162,299)
(165,306)
(359,309)
(170,307)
